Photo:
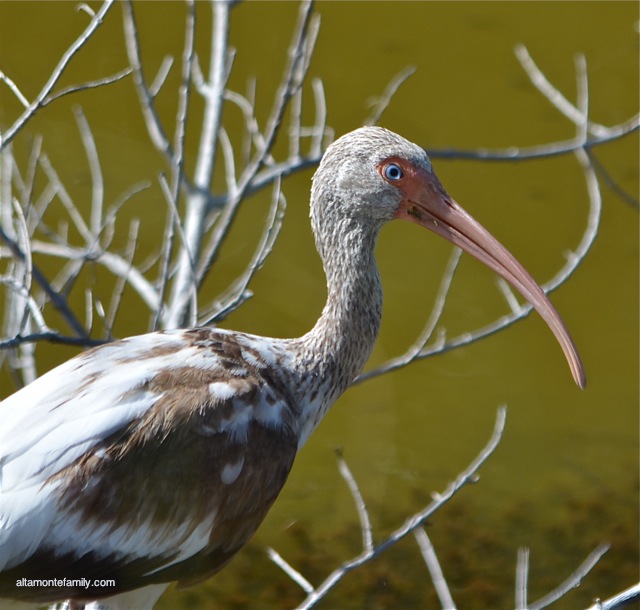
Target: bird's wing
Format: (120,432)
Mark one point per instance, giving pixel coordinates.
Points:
(54,420)
(154,458)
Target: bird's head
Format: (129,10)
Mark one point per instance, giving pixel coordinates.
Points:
(351,176)
(372,175)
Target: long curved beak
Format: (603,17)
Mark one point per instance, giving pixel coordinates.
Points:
(427,204)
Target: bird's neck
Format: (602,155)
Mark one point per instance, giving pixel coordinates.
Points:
(336,349)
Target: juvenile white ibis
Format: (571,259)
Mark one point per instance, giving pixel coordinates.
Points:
(155,458)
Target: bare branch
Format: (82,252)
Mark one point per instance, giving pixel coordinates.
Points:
(14,89)
(154,126)
(50,337)
(554,149)
(191,289)
(382,103)
(291,572)
(88,308)
(34,310)
(229,162)
(618,601)
(36,104)
(116,264)
(196,208)
(469,475)
(66,200)
(239,293)
(295,72)
(582,82)
(573,581)
(164,270)
(94,84)
(121,281)
(423,338)
(361,507)
(575,114)
(83,6)
(509,296)
(610,182)
(433,565)
(320,123)
(183,99)
(58,301)
(97,191)
(522,576)
(161,76)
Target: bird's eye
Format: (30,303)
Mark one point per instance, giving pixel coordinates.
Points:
(393,172)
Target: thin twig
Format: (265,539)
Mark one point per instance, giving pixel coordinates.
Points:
(196,206)
(14,89)
(108,225)
(66,199)
(610,182)
(113,262)
(425,335)
(382,103)
(23,244)
(161,76)
(121,280)
(192,294)
(582,105)
(34,309)
(57,72)
(164,267)
(29,185)
(183,99)
(433,565)
(469,475)
(620,600)
(542,151)
(152,121)
(575,114)
(229,161)
(522,576)
(50,337)
(573,581)
(97,182)
(93,84)
(238,293)
(290,571)
(320,122)
(88,308)
(291,81)
(361,507)
(509,296)
(22,360)
(58,301)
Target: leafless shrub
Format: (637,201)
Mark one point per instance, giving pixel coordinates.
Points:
(44,253)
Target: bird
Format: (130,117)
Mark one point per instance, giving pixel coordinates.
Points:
(154,458)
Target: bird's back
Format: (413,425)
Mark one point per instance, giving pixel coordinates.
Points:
(147,460)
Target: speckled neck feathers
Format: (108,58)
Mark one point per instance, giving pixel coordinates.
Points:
(346,219)
(340,343)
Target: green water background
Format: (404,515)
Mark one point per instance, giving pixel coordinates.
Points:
(564,478)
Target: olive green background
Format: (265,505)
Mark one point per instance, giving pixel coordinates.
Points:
(564,478)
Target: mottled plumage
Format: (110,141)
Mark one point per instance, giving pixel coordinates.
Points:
(155,459)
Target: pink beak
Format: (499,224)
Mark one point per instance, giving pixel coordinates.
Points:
(427,204)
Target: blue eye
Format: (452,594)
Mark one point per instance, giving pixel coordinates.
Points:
(393,172)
